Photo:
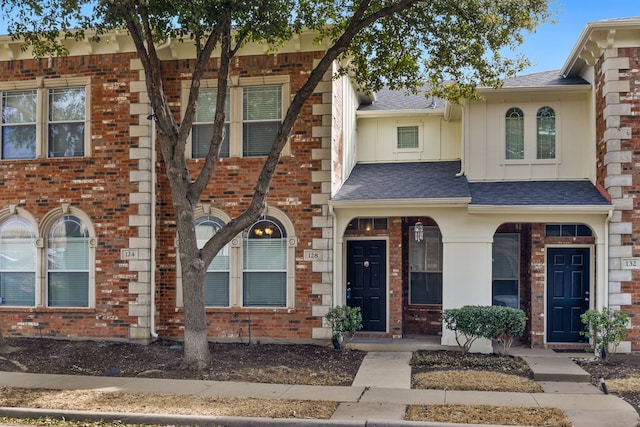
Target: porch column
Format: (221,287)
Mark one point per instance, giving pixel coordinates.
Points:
(466,280)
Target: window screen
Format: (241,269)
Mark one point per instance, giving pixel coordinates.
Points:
(261,116)
(216,282)
(19,124)
(66,122)
(17,263)
(265,265)
(68,263)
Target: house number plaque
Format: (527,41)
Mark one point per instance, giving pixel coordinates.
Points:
(310,255)
(128,253)
(631,263)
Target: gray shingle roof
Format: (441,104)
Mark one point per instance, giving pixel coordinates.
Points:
(537,193)
(437,180)
(387,99)
(387,181)
(545,78)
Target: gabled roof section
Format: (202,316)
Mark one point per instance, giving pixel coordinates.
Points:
(404,181)
(543,79)
(537,193)
(396,100)
(598,36)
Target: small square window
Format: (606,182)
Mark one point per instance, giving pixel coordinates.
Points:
(408,137)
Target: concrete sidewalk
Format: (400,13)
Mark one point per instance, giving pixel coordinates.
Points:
(378,397)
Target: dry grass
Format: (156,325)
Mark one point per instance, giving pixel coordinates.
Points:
(624,385)
(483,414)
(475,380)
(90,400)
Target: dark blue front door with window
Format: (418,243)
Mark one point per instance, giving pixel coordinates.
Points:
(366,282)
(567,292)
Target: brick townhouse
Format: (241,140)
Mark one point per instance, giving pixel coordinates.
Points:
(404,206)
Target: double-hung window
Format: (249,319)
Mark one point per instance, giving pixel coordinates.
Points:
(425,266)
(216,282)
(17,263)
(68,263)
(44,118)
(514,134)
(506,269)
(261,116)
(253,110)
(19,124)
(202,131)
(265,264)
(66,124)
(546,133)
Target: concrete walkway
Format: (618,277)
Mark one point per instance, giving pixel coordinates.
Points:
(378,397)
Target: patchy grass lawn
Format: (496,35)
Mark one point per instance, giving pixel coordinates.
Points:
(475,380)
(483,414)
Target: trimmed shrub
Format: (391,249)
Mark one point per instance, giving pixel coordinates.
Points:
(605,329)
(492,322)
(343,319)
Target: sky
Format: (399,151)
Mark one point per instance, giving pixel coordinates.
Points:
(550,46)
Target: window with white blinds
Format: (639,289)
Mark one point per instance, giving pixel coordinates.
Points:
(202,130)
(68,263)
(265,265)
(216,282)
(261,116)
(425,267)
(17,263)
(506,269)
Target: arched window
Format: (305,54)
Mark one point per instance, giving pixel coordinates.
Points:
(265,264)
(68,266)
(216,282)
(514,134)
(17,263)
(546,133)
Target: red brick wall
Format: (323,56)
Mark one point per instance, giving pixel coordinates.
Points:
(631,216)
(230,190)
(97,184)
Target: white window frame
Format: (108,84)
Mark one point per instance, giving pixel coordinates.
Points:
(530,111)
(42,87)
(429,268)
(235,260)
(417,149)
(494,278)
(42,230)
(236,84)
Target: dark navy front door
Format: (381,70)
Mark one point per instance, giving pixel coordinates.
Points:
(567,292)
(367,283)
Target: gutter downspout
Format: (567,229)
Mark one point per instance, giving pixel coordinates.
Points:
(462,145)
(152,278)
(334,261)
(605,294)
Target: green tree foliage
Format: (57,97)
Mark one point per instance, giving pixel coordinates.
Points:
(452,45)
(606,328)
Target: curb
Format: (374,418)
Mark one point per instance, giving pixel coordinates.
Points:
(208,421)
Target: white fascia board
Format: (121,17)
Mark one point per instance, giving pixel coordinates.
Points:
(399,113)
(527,209)
(401,203)
(530,89)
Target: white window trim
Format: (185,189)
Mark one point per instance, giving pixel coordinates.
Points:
(235,106)
(41,251)
(530,135)
(235,261)
(42,86)
(420,146)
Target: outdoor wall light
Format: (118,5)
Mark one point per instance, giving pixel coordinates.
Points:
(418,230)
